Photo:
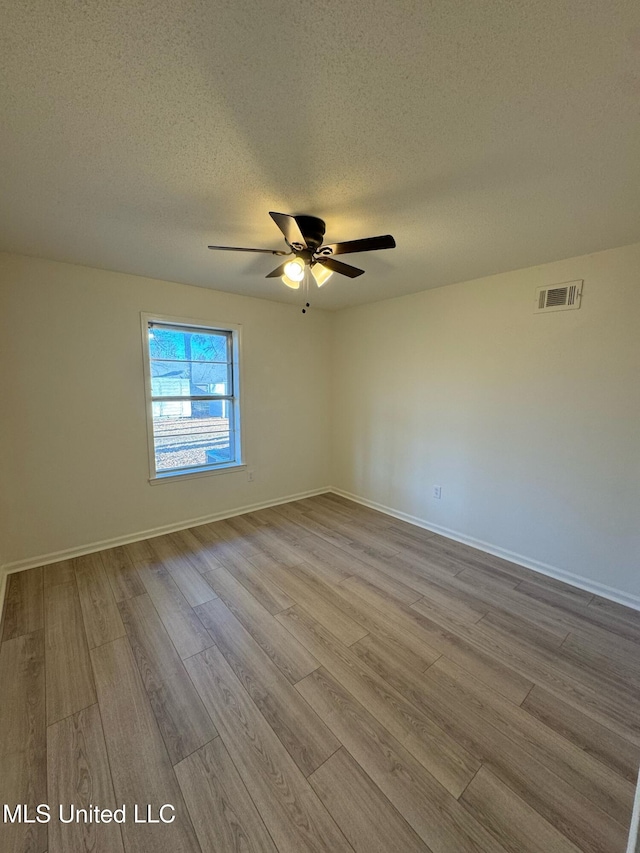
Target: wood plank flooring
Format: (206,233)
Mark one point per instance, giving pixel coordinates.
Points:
(316,677)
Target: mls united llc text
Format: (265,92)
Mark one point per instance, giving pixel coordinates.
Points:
(44,813)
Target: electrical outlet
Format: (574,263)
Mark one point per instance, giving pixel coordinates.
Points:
(437,492)
(250,476)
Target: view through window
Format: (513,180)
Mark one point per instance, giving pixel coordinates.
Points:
(193,397)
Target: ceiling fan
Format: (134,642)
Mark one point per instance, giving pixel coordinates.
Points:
(304,235)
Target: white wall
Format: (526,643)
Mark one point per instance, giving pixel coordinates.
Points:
(73,446)
(529,422)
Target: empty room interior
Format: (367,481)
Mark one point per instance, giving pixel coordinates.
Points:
(319,419)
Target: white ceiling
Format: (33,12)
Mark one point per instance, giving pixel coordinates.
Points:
(485,136)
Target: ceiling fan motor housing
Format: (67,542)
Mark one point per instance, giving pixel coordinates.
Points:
(312,228)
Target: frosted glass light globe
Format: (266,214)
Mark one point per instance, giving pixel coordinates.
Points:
(295,270)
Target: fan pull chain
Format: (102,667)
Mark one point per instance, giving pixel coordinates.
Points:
(305,289)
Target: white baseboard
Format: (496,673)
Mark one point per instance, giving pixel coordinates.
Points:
(92,547)
(619,596)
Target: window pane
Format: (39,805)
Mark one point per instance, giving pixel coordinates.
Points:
(208,347)
(182,344)
(191,434)
(189,378)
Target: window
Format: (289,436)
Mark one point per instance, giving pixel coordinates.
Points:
(192,397)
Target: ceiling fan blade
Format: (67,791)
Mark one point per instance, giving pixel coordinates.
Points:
(368,244)
(239,249)
(278,271)
(290,228)
(338,266)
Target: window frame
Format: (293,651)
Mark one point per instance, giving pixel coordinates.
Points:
(235,400)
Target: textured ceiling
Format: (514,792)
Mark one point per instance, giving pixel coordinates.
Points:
(484,136)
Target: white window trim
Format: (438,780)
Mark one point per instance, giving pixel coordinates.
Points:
(236,339)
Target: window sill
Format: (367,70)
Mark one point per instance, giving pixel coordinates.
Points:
(175,476)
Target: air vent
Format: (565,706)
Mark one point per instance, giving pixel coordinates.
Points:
(559,297)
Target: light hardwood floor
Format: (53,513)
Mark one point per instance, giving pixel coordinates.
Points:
(317,677)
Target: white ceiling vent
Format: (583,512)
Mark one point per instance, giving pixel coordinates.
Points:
(559,297)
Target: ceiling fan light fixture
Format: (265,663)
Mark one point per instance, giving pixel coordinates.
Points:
(303,235)
(294,270)
(321,274)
